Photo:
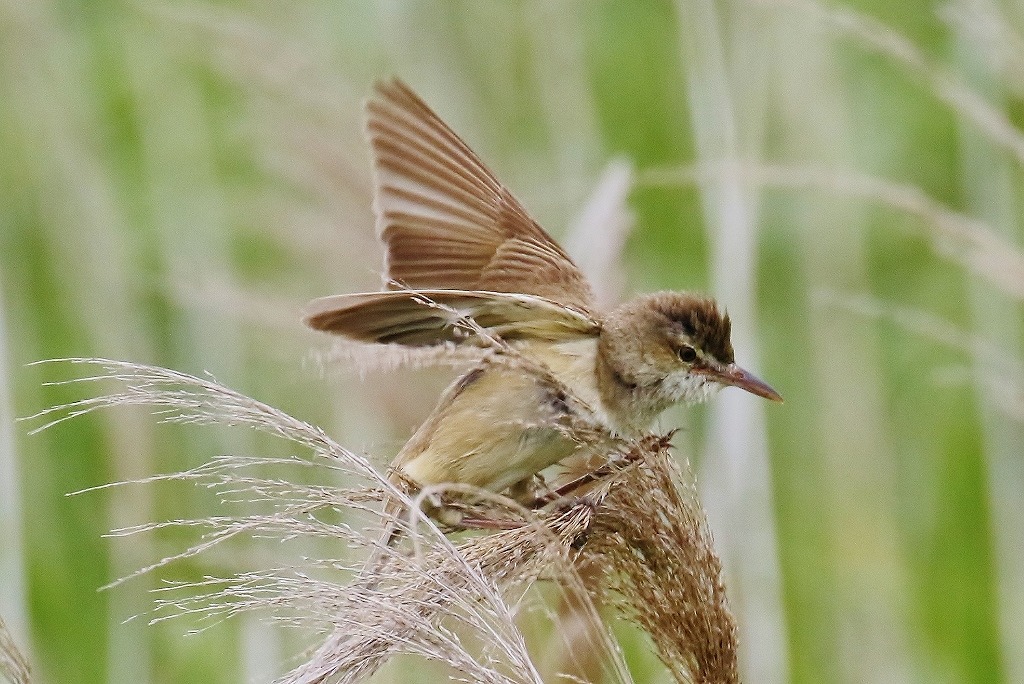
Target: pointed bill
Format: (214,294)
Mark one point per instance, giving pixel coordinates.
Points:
(744,379)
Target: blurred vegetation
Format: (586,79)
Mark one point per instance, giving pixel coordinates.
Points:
(178,179)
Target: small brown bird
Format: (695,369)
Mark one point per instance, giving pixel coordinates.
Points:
(466,263)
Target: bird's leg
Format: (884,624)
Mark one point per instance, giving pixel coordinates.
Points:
(607,469)
(524,492)
(470,523)
(458,514)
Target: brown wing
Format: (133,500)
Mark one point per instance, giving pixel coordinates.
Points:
(446,220)
(425,317)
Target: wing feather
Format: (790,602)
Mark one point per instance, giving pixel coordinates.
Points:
(427,317)
(446,219)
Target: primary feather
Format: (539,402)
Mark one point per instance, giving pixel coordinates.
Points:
(445,219)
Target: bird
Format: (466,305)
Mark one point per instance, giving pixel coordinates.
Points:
(465,264)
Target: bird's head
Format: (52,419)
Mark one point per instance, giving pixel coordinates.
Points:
(674,346)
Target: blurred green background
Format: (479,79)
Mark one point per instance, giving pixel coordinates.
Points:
(178,179)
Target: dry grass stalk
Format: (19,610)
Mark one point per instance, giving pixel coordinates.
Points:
(13,664)
(1003,374)
(639,532)
(875,36)
(990,31)
(967,240)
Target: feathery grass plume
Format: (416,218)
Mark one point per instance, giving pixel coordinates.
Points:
(637,528)
(650,542)
(640,528)
(311,593)
(410,603)
(13,664)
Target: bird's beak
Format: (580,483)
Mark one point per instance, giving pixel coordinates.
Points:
(737,377)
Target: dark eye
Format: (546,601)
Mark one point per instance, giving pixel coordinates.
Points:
(687,354)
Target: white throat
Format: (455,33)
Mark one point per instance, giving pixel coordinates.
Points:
(691,388)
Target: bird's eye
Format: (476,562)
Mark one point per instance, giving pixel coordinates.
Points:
(687,354)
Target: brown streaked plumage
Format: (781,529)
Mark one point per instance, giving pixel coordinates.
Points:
(460,247)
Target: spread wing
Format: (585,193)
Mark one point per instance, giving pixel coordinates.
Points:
(425,317)
(446,220)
